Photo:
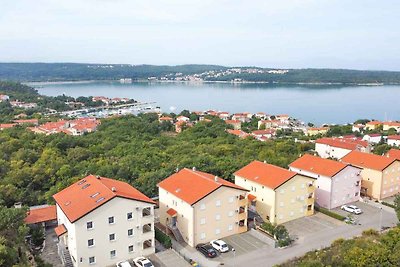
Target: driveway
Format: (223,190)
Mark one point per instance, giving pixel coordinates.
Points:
(168,258)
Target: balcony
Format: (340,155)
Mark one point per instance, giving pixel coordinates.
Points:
(146,212)
(310,188)
(242,200)
(310,201)
(241,223)
(147,244)
(310,210)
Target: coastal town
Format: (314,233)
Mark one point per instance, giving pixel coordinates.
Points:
(197,218)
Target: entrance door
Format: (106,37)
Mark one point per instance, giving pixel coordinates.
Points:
(173,221)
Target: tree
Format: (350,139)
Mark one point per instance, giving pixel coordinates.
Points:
(397,205)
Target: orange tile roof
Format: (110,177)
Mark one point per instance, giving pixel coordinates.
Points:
(345,143)
(392,123)
(191,185)
(263,132)
(60,230)
(232,122)
(374,123)
(89,193)
(393,137)
(393,153)
(266,174)
(32,121)
(368,161)
(238,133)
(171,212)
(251,197)
(40,215)
(318,165)
(7,125)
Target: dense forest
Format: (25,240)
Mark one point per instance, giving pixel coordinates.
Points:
(78,71)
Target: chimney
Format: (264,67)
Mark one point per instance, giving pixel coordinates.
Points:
(194,169)
(113,189)
(216,178)
(265,161)
(98,176)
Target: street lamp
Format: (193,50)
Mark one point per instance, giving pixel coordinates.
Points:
(234,256)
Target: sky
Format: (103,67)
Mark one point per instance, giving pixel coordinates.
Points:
(356,34)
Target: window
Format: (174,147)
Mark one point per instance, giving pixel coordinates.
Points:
(92,260)
(90,242)
(89,225)
(218,203)
(203,221)
(281,204)
(203,236)
(291,213)
(130,232)
(231,199)
(292,200)
(113,253)
(230,214)
(129,216)
(356,194)
(217,231)
(303,185)
(217,217)
(282,191)
(112,237)
(293,188)
(203,206)
(130,249)
(111,220)
(230,227)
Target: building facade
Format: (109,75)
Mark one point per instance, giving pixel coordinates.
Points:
(280,195)
(336,183)
(339,147)
(102,221)
(201,207)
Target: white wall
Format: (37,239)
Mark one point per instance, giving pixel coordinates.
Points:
(326,151)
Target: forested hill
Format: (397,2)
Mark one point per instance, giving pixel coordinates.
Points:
(77,71)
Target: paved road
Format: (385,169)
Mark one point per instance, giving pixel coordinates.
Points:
(268,256)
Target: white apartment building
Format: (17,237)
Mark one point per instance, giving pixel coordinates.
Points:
(102,221)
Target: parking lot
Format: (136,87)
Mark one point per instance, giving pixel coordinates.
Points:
(306,226)
(168,258)
(243,244)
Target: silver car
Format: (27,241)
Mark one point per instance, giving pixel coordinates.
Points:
(352,209)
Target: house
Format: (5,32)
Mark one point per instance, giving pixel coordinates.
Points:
(199,207)
(263,135)
(238,133)
(27,121)
(280,195)
(380,175)
(181,125)
(7,125)
(102,221)
(242,117)
(223,115)
(103,99)
(391,125)
(373,125)
(183,119)
(339,147)
(269,124)
(372,138)
(284,118)
(261,115)
(44,215)
(4,98)
(393,153)
(357,128)
(336,183)
(165,119)
(393,140)
(316,131)
(237,124)
(73,127)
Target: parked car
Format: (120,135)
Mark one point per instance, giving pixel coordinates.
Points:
(207,250)
(219,245)
(352,209)
(142,262)
(123,264)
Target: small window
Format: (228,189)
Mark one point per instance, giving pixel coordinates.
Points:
(203,206)
(130,232)
(92,260)
(130,249)
(100,199)
(129,215)
(203,221)
(112,237)
(95,195)
(217,217)
(113,253)
(217,231)
(89,225)
(231,199)
(90,242)
(85,186)
(218,203)
(111,220)
(82,182)
(230,214)
(230,227)
(203,236)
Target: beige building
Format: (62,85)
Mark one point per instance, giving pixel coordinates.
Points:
(280,195)
(316,131)
(373,125)
(199,207)
(380,174)
(102,221)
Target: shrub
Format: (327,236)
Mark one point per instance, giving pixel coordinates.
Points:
(164,239)
(388,204)
(330,213)
(370,232)
(279,232)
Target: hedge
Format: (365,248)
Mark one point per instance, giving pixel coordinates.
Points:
(388,204)
(164,239)
(330,213)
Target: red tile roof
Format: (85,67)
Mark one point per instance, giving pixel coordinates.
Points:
(393,137)
(266,174)
(368,161)
(374,123)
(345,143)
(40,215)
(393,153)
(91,192)
(30,121)
(318,165)
(233,122)
(238,133)
(392,123)
(264,132)
(7,125)
(171,212)
(192,185)
(60,230)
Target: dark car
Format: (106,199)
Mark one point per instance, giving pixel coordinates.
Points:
(207,250)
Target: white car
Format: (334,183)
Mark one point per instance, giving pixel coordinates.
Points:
(351,209)
(123,264)
(142,262)
(219,245)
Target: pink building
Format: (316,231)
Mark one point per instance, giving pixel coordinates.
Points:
(337,183)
